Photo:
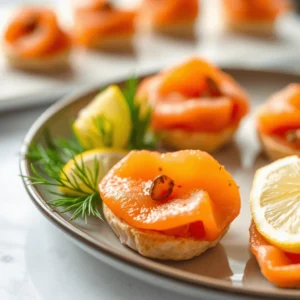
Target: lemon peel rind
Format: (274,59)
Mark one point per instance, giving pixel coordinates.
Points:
(286,241)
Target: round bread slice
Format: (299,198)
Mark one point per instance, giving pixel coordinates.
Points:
(116,43)
(206,141)
(145,23)
(258,28)
(263,27)
(47,64)
(274,149)
(154,244)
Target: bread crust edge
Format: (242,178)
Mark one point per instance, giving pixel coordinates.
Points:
(49,63)
(207,141)
(154,244)
(274,149)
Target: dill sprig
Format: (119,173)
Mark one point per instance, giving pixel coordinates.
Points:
(83,206)
(140,137)
(47,169)
(60,150)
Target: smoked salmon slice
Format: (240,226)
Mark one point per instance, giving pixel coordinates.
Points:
(208,115)
(91,5)
(164,12)
(34,32)
(255,10)
(279,267)
(195,208)
(279,119)
(281,112)
(194,96)
(102,21)
(278,123)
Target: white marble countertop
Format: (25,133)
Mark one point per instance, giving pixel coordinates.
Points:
(36,261)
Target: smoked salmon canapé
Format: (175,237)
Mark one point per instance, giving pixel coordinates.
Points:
(168,16)
(166,206)
(275,228)
(195,105)
(33,40)
(99,24)
(252,16)
(278,123)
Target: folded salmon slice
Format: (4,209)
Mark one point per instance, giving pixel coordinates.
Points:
(34,32)
(279,267)
(255,10)
(188,79)
(194,96)
(281,112)
(96,24)
(207,114)
(195,207)
(164,12)
(90,5)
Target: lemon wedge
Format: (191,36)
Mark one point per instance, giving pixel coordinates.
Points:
(83,173)
(105,122)
(275,203)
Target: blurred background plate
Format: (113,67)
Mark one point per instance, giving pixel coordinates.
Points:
(20,89)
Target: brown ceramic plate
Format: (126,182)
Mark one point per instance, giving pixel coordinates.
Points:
(228,269)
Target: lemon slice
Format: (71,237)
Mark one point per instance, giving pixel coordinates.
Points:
(275,203)
(83,173)
(105,122)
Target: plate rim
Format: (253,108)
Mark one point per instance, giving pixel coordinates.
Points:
(212,284)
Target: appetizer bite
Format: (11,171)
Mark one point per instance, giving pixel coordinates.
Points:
(33,40)
(255,16)
(169,16)
(195,105)
(274,232)
(278,123)
(99,24)
(166,206)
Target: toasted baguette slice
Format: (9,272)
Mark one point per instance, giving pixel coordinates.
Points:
(274,149)
(41,64)
(154,244)
(145,23)
(258,28)
(114,43)
(185,28)
(252,27)
(207,141)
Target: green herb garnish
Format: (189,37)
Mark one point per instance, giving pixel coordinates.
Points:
(141,137)
(48,160)
(47,168)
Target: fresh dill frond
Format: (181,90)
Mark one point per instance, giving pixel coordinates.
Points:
(141,137)
(83,206)
(82,196)
(59,150)
(68,147)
